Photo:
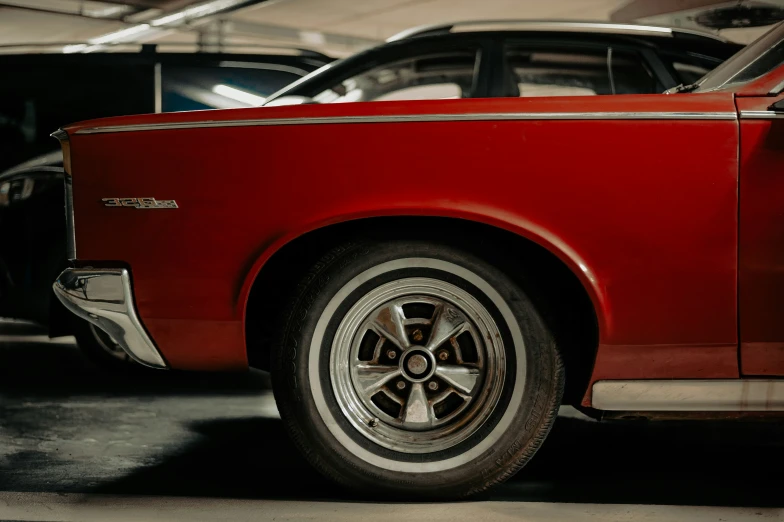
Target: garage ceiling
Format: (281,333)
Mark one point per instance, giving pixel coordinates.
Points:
(337,27)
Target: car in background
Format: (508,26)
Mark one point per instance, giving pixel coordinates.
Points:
(515,59)
(41,92)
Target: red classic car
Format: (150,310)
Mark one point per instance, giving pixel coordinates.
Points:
(429,281)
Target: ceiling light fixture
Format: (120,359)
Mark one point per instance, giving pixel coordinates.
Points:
(196,11)
(70,49)
(238,95)
(119,36)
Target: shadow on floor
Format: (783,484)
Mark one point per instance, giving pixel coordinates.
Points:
(52,370)
(687,463)
(683,463)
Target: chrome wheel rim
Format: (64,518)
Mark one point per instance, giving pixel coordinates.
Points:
(417,365)
(108,344)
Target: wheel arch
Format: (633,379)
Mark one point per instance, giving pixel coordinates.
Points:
(283,262)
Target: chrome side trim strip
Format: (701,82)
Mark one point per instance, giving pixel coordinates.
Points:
(70,229)
(104,298)
(689,395)
(405,118)
(760,115)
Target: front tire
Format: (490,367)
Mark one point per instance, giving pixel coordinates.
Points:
(416,370)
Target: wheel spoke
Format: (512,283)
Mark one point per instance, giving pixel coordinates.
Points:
(418,412)
(373,377)
(390,323)
(448,323)
(462,378)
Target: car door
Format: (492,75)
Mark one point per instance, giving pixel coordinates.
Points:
(761,237)
(760,102)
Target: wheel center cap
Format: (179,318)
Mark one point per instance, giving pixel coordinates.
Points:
(417,364)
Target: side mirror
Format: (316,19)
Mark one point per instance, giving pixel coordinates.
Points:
(289,100)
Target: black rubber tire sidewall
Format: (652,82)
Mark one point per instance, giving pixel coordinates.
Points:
(290,375)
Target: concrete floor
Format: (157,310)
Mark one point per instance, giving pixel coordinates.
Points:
(79,444)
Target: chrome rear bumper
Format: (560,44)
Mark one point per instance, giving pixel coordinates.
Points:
(104,297)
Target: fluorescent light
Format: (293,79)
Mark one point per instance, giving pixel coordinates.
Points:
(236,94)
(70,49)
(168,19)
(197,11)
(120,35)
(312,37)
(108,12)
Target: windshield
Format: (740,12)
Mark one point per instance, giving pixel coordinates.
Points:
(756,59)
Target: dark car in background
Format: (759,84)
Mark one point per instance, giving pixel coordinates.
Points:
(41,92)
(511,59)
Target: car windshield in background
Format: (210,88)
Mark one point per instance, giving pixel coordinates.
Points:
(515,64)
(758,58)
(232,85)
(442,75)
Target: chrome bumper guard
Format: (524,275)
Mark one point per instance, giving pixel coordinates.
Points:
(104,298)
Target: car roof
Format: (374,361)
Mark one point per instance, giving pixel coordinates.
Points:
(663,39)
(551,25)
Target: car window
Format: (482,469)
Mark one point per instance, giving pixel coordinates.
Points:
(755,60)
(689,68)
(773,58)
(188,88)
(631,74)
(551,71)
(433,75)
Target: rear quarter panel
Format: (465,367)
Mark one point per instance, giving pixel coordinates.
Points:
(643,211)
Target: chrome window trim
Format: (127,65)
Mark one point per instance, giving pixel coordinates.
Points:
(263,67)
(104,297)
(689,395)
(406,118)
(760,115)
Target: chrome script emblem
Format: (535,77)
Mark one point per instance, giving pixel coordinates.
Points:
(139,203)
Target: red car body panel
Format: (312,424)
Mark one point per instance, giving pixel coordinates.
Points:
(643,211)
(761,255)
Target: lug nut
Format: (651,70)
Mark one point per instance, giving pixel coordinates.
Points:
(391,354)
(401,385)
(443,355)
(417,335)
(432,385)
(373,423)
